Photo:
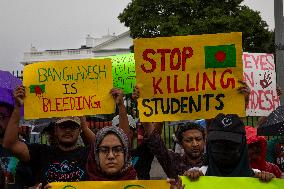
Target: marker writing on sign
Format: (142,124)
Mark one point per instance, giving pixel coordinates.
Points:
(198,82)
(182,105)
(70,103)
(78,73)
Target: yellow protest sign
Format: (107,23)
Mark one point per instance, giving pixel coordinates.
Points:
(129,184)
(68,88)
(207,182)
(189,77)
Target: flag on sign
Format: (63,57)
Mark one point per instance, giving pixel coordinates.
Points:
(222,56)
(37,89)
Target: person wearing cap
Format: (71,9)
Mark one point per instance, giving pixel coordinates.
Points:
(227,153)
(63,162)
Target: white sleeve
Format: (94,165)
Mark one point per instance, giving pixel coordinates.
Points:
(256,170)
(203,169)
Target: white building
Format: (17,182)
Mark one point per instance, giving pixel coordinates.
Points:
(95,47)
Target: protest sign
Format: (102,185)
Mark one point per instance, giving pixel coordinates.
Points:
(208,182)
(68,88)
(123,71)
(129,184)
(189,77)
(259,74)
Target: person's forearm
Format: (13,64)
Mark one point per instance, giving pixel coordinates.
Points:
(11,133)
(123,119)
(88,135)
(151,127)
(157,146)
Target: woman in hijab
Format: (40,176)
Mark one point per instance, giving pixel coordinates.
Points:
(109,159)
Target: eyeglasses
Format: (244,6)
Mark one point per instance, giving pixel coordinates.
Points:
(3,116)
(116,151)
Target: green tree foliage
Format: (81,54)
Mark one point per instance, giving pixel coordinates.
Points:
(160,18)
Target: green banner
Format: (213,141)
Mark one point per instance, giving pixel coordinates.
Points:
(123,71)
(207,182)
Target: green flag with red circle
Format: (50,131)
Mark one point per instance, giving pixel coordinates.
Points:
(222,56)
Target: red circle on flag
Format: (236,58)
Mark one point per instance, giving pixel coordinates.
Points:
(220,56)
(38,90)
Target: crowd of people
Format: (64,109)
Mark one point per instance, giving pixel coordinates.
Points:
(225,147)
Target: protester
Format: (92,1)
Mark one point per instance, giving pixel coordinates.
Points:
(64,162)
(275,152)
(275,146)
(257,152)
(16,174)
(142,157)
(191,138)
(8,163)
(227,151)
(109,157)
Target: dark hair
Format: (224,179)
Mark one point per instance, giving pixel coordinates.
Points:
(9,107)
(188,126)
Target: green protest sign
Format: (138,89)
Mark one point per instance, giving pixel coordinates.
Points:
(207,182)
(123,71)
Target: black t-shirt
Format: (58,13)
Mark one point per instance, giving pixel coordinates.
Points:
(8,164)
(54,165)
(17,174)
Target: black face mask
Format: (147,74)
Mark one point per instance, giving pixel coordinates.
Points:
(225,154)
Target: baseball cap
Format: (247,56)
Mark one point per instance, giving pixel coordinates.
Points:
(226,127)
(71,119)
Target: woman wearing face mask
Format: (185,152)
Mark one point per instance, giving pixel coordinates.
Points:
(227,151)
(109,158)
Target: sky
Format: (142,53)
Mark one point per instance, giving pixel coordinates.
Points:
(62,24)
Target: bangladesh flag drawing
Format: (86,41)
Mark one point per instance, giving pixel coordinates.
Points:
(37,89)
(222,56)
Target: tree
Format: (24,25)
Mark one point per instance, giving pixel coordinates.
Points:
(161,18)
